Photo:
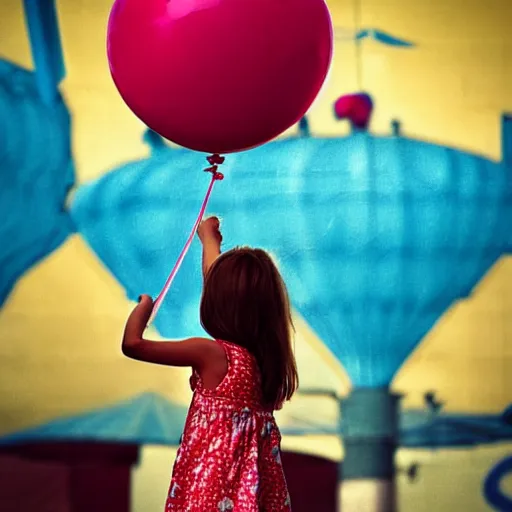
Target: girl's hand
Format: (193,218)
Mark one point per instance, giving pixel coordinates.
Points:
(209,230)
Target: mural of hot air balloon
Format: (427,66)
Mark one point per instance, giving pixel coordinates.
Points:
(379,233)
(369,258)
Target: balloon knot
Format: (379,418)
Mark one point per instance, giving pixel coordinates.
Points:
(215,160)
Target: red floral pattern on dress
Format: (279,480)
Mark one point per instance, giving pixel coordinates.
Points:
(230,456)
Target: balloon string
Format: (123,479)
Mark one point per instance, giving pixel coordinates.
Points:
(215,161)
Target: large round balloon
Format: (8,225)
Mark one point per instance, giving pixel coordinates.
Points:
(219,76)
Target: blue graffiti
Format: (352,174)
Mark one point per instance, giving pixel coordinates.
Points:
(383,37)
(492,490)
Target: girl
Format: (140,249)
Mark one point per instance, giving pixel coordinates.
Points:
(229,457)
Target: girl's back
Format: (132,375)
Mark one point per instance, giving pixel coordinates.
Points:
(229,458)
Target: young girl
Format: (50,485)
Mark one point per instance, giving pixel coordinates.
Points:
(229,457)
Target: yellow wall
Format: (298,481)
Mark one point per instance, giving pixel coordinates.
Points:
(60,329)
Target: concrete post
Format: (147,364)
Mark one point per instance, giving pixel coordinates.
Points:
(370,436)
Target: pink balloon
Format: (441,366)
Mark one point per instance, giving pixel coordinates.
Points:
(219,76)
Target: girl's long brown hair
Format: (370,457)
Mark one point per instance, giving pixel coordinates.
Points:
(245,302)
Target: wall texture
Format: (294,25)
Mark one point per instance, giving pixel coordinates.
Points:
(60,329)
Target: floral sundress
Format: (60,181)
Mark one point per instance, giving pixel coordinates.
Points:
(229,458)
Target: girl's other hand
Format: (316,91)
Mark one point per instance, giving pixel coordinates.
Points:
(209,230)
(144,309)
(145,303)
(137,322)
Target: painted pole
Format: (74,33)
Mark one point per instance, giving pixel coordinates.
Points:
(370,437)
(369,430)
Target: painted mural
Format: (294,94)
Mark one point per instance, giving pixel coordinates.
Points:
(388,209)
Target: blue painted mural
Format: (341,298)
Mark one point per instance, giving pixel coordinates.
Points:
(145,419)
(152,419)
(37,169)
(376,235)
(492,486)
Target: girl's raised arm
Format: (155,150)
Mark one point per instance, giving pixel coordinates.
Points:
(195,352)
